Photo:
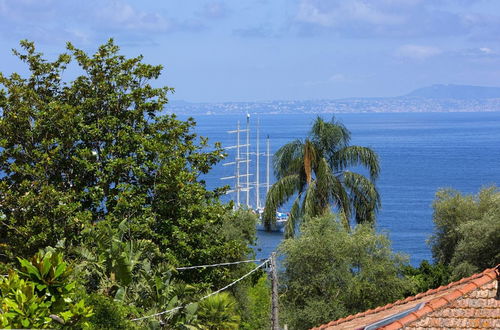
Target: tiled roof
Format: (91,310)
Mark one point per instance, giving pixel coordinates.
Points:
(432,300)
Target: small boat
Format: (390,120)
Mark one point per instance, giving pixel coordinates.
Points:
(279,225)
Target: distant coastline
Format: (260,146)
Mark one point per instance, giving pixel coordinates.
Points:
(384,105)
(436,98)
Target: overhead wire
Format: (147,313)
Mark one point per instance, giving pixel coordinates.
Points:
(221,264)
(207,296)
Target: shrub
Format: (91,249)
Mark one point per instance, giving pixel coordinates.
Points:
(109,314)
(218,312)
(467,230)
(41,293)
(331,272)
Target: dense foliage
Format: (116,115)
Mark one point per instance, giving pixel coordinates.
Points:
(467,230)
(218,312)
(80,157)
(426,276)
(258,306)
(330,272)
(95,149)
(88,164)
(41,294)
(315,171)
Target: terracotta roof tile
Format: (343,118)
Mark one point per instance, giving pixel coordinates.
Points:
(475,282)
(395,325)
(471,283)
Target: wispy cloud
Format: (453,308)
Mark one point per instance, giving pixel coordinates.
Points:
(417,52)
(486,50)
(333,79)
(119,15)
(215,10)
(480,54)
(51,21)
(389,18)
(261,31)
(336,13)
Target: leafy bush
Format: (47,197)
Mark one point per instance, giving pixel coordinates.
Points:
(102,169)
(218,312)
(96,151)
(331,272)
(40,293)
(109,314)
(258,306)
(21,306)
(427,276)
(467,230)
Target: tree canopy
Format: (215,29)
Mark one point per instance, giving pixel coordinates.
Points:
(315,171)
(467,230)
(89,164)
(330,272)
(90,152)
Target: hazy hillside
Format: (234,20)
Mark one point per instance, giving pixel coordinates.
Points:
(435,98)
(456,92)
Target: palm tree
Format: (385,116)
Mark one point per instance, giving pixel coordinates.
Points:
(218,312)
(314,170)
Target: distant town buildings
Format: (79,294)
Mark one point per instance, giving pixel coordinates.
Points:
(352,105)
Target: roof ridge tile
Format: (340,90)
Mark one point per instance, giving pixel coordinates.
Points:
(436,303)
(476,280)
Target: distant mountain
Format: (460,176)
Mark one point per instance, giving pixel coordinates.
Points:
(455,92)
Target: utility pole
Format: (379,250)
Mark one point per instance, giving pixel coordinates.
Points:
(275,323)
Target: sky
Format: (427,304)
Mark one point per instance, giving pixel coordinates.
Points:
(261,50)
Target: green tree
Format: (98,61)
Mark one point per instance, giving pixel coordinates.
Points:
(426,276)
(330,272)
(90,164)
(315,171)
(85,153)
(467,230)
(258,306)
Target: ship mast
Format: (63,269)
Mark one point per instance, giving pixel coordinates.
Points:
(257,184)
(248,160)
(268,154)
(237,188)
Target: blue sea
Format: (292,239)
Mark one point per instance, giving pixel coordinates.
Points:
(419,154)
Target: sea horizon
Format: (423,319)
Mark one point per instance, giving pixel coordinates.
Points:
(419,154)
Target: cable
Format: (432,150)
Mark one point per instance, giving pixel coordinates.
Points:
(207,296)
(221,264)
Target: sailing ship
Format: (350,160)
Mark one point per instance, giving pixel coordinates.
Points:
(242,183)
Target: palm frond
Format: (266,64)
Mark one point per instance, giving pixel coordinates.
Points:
(295,215)
(344,220)
(331,189)
(354,156)
(364,197)
(310,203)
(329,136)
(316,169)
(279,193)
(286,156)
